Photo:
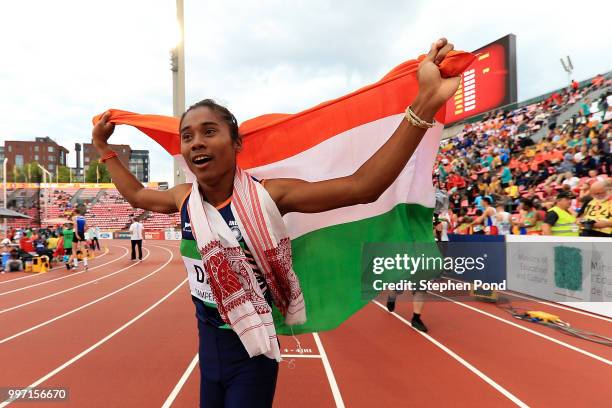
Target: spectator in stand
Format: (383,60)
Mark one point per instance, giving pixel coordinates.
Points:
(585,107)
(455,181)
(5,244)
(607,116)
(506,176)
(5,252)
(455,202)
(26,243)
(512,190)
(559,220)
(464,225)
(41,247)
(14,264)
(596,219)
(52,241)
(574,85)
(500,147)
(598,81)
(494,188)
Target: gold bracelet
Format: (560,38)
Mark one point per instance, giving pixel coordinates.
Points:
(416,121)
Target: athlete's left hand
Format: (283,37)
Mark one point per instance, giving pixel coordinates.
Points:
(434,90)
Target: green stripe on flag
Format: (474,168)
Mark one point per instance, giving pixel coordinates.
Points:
(328,263)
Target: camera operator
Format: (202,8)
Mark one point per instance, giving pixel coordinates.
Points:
(596,219)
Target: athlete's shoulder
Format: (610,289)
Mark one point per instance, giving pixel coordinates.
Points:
(180,193)
(181,187)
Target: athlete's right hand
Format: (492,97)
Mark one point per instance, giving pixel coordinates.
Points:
(102,131)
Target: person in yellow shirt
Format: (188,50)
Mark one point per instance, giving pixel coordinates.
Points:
(494,186)
(465,226)
(596,217)
(52,242)
(496,162)
(512,190)
(559,220)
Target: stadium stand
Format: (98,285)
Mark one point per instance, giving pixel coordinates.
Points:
(560,141)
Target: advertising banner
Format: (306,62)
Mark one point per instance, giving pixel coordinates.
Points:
(172,235)
(156,235)
(562,269)
(122,235)
(106,235)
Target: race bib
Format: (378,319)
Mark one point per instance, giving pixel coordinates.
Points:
(198,281)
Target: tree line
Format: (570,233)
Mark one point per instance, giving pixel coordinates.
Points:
(31,173)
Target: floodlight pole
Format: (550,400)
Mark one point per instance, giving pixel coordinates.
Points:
(46,176)
(568,67)
(4,182)
(177,66)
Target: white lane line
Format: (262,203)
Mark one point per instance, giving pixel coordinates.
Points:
(328,370)
(559,342)
(38,326)
(454,355)
(66,276)
(33,275)
(301,356)
(98,344)
(95,280)
(181,382)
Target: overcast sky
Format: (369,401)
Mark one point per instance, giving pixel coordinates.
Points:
(65,61)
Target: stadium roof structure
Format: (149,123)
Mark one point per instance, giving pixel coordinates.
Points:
(6,213)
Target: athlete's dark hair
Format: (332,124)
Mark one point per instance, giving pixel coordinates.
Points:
(225,114)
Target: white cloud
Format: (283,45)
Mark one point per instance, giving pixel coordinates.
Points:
(64,61)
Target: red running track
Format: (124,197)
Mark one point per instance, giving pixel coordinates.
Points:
(123,334)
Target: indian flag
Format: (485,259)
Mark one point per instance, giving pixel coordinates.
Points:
(327,141)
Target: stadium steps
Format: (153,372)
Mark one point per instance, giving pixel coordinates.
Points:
(145,215)
(452,130)
(571,111)
(74,200)
(97,197)
(12,195)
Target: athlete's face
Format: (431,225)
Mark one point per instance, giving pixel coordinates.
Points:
(206,145)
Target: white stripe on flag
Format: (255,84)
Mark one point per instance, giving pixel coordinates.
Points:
(340,156)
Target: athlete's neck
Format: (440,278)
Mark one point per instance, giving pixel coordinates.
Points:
(219,191)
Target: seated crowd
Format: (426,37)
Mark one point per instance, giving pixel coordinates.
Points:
(495,179)
(22,245)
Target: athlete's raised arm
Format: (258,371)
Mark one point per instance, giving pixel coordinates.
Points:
(127,184)
(380,170)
